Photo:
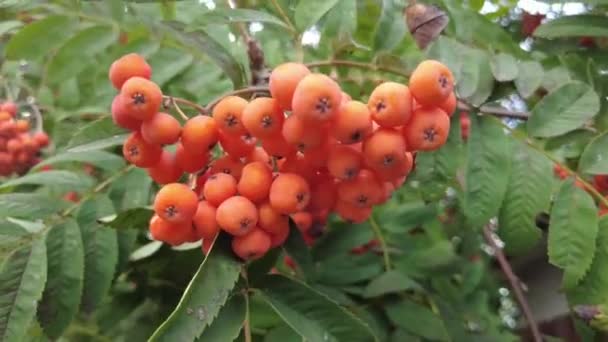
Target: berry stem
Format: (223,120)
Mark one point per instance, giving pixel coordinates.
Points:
(248,90)
(383,246)
(178,109)
(496,111)
(284,17)
(176,100)
(360,65)
(514,281)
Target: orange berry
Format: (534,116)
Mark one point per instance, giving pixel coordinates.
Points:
(344,162)
(237,215)
(172,233)
(127,66)
(431,83)
(449,105)
(283,82)
(270,220)
(121,117)
(317,98)
(465,125)
(390,104)
(252,245)
(166,170)
(228,113)
(218,188)
(229,165)
(600,182)
(363,191)
(384,150)
(207,244)
(9,107)
(189,162)
(139,152)
(204,221)
(346,97)
(142,98)
(289,193)
(352,213)
(255,181)
(301,134)
(297,164)
(199,134)
(263,118)
(22,126)
(280,237)
(161,129)
(259,155)
(428,130)
(303,220)
(14,145)
(28,143)
(237,146)
(278,147)
(41,139)
(5,116)
(176,203)
(352,123)
(316,157)
(323,193)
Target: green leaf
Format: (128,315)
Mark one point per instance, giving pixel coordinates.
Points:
(448,51)
(341,22)
(572,233)
(168,63)
(417,319)
(555,78)
(205,295)
(312,315)
(79,52)
(35,40)
(116,8)
(349,269)
(529,78)
(61,297)
(238,15)
(299,251)
(484,82)
(504,67)
(282,333)
(59,178)
(136,218)
(340,239)
(391,28)
(594,159)
(564,110)
(94,136)
(229,321)
(146,250)
(528,193)
(402,217)
(30,205)
(587,25)
(22,280)
(389,282)
(105,160)
(309,12)
(593,288)
(487,170)
(101,251)
(9,25)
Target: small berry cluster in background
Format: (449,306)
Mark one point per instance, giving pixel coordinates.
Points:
(306,151)
(19,147)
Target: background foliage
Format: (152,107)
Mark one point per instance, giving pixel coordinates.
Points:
(87,270)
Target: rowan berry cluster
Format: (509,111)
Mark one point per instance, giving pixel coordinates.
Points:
(19,148)
(304,152)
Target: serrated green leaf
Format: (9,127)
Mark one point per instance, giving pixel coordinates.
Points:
(36,39)
(447,51)
(229,321)
(60,178)
(529,78)
(528,193)
(146,250)
(115,140)
(504,67)
(22,280)
(572,233)
(587,25)
(61,297)
(30,205)
(487,170)
(126,243)
(341,21)
(100,249)
(104,160)
(116,8)
(79,52)
(593,289)
(571,144)
(417,319)
(238,15)
(485,81)
(555,78)
(564,110)
(391,28)
(312,315)
(204,297)
(389,282)
(594,159)
(297,249)
(94,132)
(167,63)
(340,239)
(309,12)
(136,218)
(9,25)
(349,269)
(282,333)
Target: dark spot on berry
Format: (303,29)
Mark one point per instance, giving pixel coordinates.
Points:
(231,120)
(139,98)
(266,121)
(323,106)
(362,200)
(171,211)
(300,197)
(355,136)
(429,134)
(380,106)
(388,160)
(133,151)
(350,173)
(226,170)
(245,223)
(443,81)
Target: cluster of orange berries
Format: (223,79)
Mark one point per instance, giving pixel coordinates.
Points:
(329,154)
(18,146)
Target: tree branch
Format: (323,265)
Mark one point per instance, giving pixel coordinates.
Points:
(514,282)
(495,111)
(248,90)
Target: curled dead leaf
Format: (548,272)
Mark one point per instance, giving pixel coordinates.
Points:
(425,23)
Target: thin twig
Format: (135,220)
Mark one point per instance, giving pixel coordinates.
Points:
(284,17)
(360,65)
(189,103)
(178,109)
(383,246)
(496,111)
(248,90)
(247,321)
(514,282)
